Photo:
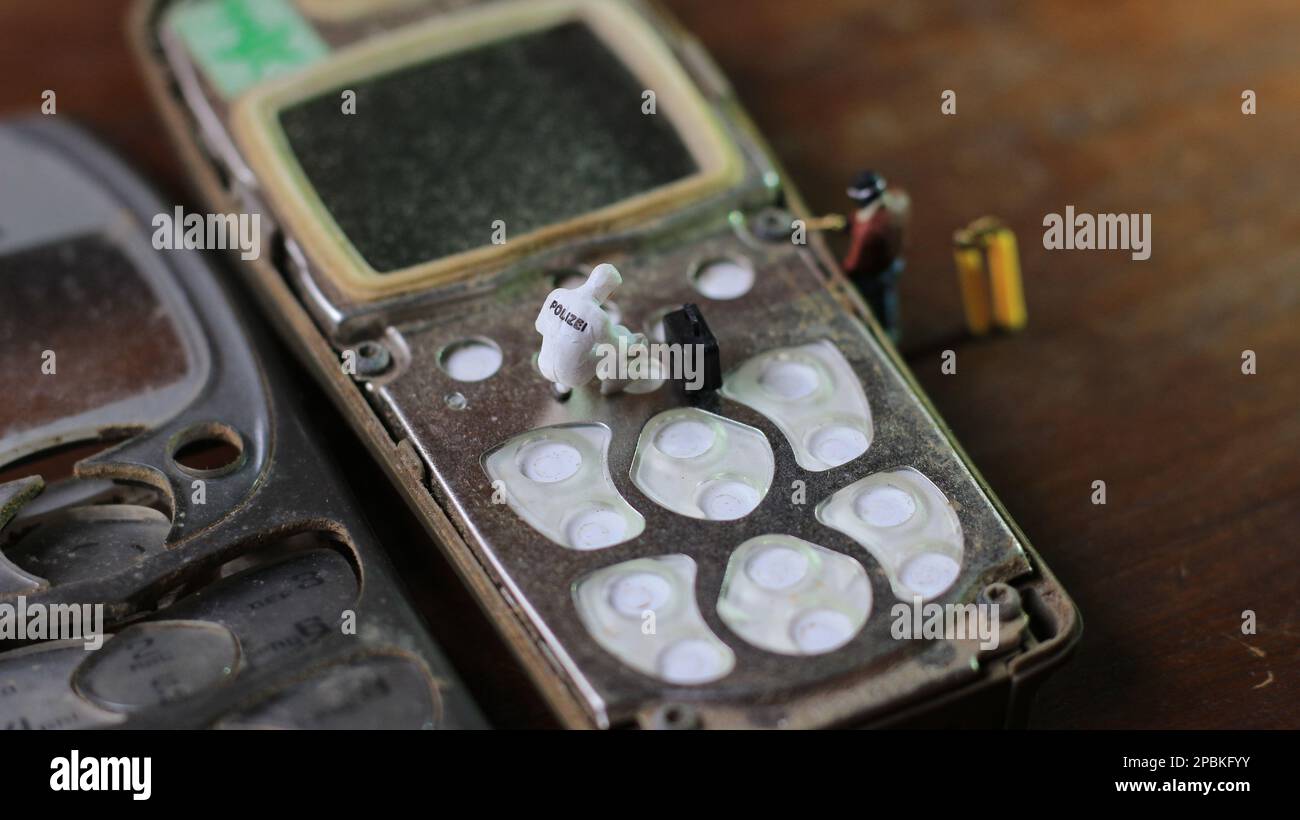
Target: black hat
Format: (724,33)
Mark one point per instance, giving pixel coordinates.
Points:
(866,187)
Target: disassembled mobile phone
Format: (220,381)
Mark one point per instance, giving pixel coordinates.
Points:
(234,580)
(434,169)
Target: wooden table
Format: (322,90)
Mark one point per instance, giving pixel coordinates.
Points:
(1130,371)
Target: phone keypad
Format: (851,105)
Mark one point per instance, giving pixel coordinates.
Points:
(907,525)
(793,597)
(812,395)
(702,465)
(644,613)
(557,479)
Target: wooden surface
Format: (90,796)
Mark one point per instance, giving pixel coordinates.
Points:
(1129,373)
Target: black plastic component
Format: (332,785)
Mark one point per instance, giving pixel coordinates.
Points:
(687,327)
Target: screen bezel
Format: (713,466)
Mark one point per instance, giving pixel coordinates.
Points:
(256,126)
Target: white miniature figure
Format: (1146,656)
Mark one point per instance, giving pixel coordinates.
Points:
(575,328)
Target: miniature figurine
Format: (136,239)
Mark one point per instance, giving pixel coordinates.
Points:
(576,331)
(874,262)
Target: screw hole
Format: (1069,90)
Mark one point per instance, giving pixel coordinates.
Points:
(208,449)
(723,278)
(677,716)
(471,360)
(1004,596)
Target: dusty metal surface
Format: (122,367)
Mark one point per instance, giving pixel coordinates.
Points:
(799,297)
(266,553)
(787,306)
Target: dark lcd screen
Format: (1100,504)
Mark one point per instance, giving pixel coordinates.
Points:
(531,131)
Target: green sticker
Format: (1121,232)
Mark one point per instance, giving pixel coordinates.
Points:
(240,43)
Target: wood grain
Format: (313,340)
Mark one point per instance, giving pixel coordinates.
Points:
(1129,372)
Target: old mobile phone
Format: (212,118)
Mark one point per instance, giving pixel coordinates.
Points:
(201,564)
(730,558)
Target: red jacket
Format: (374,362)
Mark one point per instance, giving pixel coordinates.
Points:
(877,235)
